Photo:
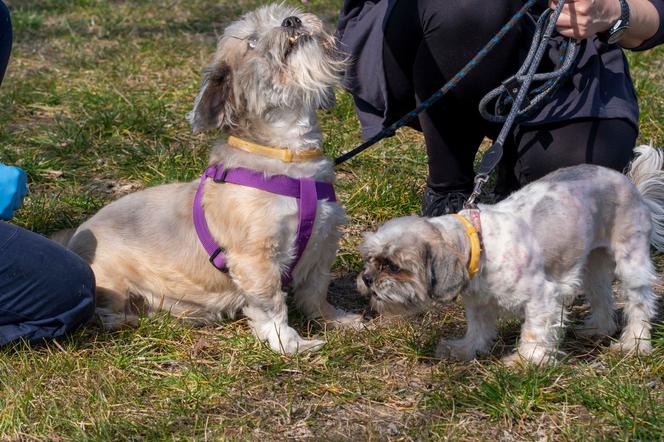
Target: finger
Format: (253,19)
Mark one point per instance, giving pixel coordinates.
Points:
(564,21)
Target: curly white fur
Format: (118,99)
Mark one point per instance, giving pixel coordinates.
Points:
(576,228)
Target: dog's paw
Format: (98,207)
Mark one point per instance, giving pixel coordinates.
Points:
(632,347)
(343,319)
(534,356)
(455,351)
(299,346)
(513,360)
(286,340)
(309,345)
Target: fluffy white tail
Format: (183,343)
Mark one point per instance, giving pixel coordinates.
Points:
(646,173)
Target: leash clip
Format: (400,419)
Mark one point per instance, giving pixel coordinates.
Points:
(480,180)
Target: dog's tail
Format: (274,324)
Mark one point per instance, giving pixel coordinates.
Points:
(62,237)
(646,173)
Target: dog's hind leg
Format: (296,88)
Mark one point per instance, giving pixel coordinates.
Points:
(598,292)
(116,310)
(637,274)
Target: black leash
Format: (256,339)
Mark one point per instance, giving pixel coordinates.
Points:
(517,88)
(514,91)
(391,130)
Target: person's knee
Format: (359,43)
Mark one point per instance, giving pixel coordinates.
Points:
(479,17)
(78,286)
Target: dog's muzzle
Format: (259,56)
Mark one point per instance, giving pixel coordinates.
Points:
(292,23)
(293,27)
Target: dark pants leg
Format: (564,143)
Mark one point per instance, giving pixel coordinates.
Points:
(426,43)
(45,290)
(5,39)
(544,148)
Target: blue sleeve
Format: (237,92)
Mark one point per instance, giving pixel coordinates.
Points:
(658,38)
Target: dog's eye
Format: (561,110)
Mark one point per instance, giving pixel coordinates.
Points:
(391,267)
(252,41)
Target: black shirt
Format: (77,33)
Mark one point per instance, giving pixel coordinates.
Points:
(600,85)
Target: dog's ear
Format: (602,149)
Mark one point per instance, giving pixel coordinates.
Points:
(212,105)
(329,100)
(447,274)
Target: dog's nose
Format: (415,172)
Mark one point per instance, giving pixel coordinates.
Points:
(291,22)
(368,280)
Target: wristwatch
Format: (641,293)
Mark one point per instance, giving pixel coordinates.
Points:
(618,29)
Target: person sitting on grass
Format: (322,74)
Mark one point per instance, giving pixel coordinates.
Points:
(403,51)
(45,290)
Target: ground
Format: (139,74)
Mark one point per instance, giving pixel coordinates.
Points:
(94,107)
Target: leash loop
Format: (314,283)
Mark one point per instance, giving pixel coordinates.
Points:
(519,86)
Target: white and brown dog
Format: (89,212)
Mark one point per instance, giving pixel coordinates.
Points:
(272,70)
(574,229)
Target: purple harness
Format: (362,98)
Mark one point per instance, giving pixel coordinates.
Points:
(306,190)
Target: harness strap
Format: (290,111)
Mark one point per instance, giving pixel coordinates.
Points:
(307,191)
(307,204)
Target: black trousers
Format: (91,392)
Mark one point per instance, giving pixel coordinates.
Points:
(45,290)
(5,39)
(427,42)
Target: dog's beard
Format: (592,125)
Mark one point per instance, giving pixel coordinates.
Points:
(396,298)
(304,70)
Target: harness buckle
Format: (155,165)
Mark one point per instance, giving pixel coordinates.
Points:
(222,177)
(216,253)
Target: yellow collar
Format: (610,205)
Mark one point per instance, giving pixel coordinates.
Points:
(279,153)
(475,245)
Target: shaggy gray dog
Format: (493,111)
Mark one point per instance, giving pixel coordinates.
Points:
(574,229)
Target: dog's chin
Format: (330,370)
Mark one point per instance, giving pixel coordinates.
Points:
(397,301)
(294,43)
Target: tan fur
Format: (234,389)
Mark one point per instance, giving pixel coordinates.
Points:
(143,248)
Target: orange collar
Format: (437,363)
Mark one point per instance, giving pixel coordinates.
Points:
(475,242)
(280,153)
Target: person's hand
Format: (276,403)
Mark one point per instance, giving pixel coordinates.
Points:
(13,188)
(584,18)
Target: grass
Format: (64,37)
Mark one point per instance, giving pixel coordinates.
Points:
(93,107)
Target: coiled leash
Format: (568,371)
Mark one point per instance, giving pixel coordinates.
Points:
(513,91)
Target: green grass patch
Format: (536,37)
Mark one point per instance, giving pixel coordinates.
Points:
(93,107)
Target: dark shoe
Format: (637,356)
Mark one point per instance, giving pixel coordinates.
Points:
(444,203)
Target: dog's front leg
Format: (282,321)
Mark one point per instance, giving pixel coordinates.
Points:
(543,325)
(265,306)
(311,294)
(480,333)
